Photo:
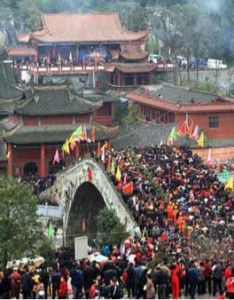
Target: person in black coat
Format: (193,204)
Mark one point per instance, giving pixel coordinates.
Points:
(6,284)
(45,278)
(27,284)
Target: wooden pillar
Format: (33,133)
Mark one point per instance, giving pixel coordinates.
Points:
(42,160)
(118,78)
(9,160)
(77,150)
(53,53)
(77,54)
(135,79)
(112,109)
(150,78)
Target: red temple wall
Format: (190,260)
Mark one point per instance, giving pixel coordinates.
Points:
(56,120)
(225,129)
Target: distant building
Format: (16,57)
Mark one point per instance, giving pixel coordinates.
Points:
(169,104)
(95,47)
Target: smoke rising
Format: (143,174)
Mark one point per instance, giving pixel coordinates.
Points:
(213,6)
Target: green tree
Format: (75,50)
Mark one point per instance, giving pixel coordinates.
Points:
(152,44)
(134,18)
(53,6)
(19,224)
(29,15)
(109,228)
(120,112)
(133,116)
(45,249)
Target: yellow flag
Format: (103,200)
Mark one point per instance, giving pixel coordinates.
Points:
(229,184)
(104,146)
(66,148)
(201,140)
(169,141)
(118,174)
(72,140)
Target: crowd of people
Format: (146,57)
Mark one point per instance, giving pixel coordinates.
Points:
(39,185)
(185,216)
(118,277)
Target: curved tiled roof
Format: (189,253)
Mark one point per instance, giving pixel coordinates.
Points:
(173,93)
(23,37)
(52,134)
(21,51)
(152,101)
(135,67)
(54,101)
(133,52)
(210,107)
(168,100)
(99,27)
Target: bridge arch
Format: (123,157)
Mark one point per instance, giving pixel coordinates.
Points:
(73,180)
(84,211)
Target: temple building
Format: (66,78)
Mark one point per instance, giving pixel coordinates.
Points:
(93,47)
(171,104)
(37,120)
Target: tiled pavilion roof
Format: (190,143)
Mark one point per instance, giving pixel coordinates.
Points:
(21,51)
(95,27)
(53,134)
(54,100)
(166,98)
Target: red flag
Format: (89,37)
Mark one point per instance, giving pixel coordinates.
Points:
(93,134)
(182,128)
(83,225)
(56,157)
(128,188)
(89,174)
(99,150)
(191,129)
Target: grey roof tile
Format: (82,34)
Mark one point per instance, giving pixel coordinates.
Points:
(142,135)
(173,93)
(54,101)
(52,134)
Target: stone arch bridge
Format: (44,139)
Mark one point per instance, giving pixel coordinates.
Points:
(81,199)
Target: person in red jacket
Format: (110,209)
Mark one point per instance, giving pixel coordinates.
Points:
(175,284)
(63,288)
(228,272)
(230,287)
(208,272)
(93,290)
